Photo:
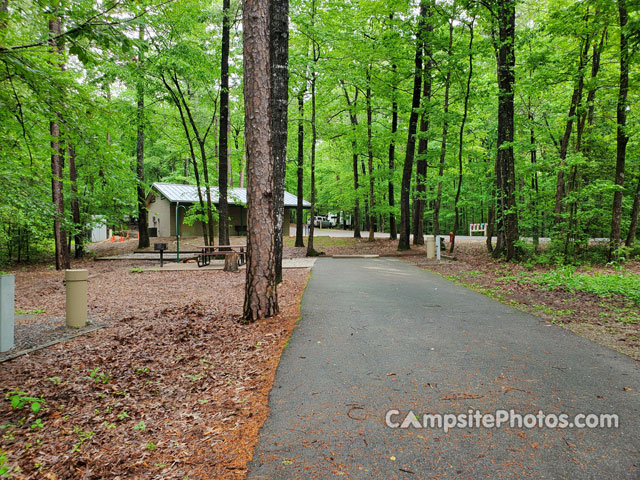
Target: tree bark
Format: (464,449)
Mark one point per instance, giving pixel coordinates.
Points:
(143,220)
(423,142)
(314,137)
(57,161)
(456,223)
(279,58)
(196,171)
(392,158)
(507,212)
(353,118)
(621,137)
(443,144)
(261,299)
(4,13)
(370,158)
(633,228)
(223,137)
(75,204)
(407,169)
(201,139)
(300,171)
(576,100)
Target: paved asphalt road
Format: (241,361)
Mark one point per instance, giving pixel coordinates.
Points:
(379,334)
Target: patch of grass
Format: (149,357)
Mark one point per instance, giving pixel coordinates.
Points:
(136,270)
(603,284)
(35,311)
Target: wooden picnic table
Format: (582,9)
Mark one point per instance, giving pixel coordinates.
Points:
(208,251)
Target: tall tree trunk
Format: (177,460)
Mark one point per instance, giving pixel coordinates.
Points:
(314,137)
(534,183)
(508,217)
(196,171)
(57,161)
(261,299)
(143,220)
(576,100)
(201,139)
(366,198)
(456,223)
(300,171)
(407,169)
(595,67)
(279,57)
(443,144)
(423,141)
(392,157)
(75,203)
(633,228)
(353,118)
(370,158)
(4,13)
(223,137)
(622,137)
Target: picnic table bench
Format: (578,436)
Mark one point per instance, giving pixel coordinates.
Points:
(208,251)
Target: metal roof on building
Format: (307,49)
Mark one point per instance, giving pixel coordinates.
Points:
(175,192)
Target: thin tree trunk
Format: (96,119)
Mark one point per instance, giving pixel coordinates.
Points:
(223,137)
(143,220)
(595,67)
(534,184)
(314,136)
(279,58)
(57,160)
(229,162)
(392,156)
(443,144)
(633,228)
(353,118)
(75,203)
(456,223)
(622,137)
(201,139)
(300,171)
(407,170)
(370,158)
(261,299)
(576,100)
(196,171)
(366,198)
(4,11)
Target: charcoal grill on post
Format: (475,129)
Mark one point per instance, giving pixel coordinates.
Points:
(161,247)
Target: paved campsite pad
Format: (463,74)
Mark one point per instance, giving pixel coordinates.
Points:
(378,334)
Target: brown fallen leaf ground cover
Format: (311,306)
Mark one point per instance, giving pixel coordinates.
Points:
(174,386)
(604,320)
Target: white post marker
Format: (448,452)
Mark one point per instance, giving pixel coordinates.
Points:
(438,247)
(7,291)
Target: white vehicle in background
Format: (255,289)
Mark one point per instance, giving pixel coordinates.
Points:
(320,221)
(334,219)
